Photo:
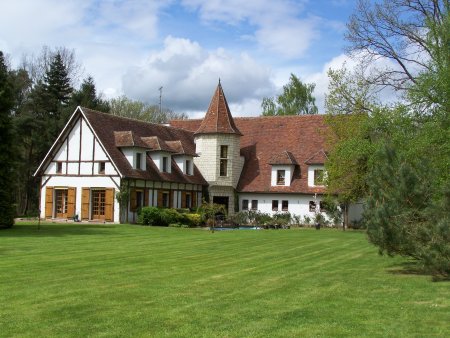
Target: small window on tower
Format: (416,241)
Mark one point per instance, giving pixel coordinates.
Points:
(223,160)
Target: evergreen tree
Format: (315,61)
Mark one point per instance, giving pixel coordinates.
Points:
(57,88)
(6,147)
(87,97)
(404,213)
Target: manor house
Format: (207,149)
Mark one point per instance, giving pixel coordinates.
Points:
(270,164)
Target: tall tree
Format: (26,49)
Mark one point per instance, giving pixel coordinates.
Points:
(87,97)
(7,169)
(57,87)
(396,31)
(297,99)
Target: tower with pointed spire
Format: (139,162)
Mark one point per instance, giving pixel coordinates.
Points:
(218,146)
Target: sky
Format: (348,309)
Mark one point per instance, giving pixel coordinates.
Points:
(135,47)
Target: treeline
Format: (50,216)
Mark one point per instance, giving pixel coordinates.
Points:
(37,99)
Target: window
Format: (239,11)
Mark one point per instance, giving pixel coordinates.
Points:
(188,167)
(223,160)
(139,198)
(244,204)
(59,167)
(285,205)
(101,167)
(138,160)
(188,200)
(274,205)
(322,205)
(318,177)
(165,164)
(165,199)
(312,206)
(254,204)
(281,174)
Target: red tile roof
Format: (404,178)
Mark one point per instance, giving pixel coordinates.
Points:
(218,119)
(107,126)
(265,138)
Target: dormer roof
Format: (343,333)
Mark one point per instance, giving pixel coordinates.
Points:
(218,119)
(285,157)
(319,157)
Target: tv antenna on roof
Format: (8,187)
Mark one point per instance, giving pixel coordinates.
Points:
(160,99)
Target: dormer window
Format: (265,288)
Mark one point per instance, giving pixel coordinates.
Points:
(59,167)
(281,177)
(165,164)
(188,167)
(223,160)
(138,160)
(319,177)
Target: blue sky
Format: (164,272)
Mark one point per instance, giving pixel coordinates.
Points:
(134,47)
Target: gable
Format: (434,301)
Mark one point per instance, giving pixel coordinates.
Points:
(78,150)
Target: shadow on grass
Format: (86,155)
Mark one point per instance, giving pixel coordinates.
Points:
(415,268)
(56,230)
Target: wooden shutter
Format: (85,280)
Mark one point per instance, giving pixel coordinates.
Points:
(133,202)
(170,198)
(146,191)
(71,194)
(183,199)
(109,204)
(160,199)
(48,202)
(85,195)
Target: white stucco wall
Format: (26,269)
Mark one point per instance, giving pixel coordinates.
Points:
(79,183)
(298,204)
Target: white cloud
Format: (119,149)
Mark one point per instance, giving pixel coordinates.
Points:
(188,74)
(279,27)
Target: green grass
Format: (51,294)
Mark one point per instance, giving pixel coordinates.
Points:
(77,280)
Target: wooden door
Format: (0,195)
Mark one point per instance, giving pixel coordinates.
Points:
(98,204)
(61,196)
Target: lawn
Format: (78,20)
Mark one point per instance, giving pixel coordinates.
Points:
(79,280)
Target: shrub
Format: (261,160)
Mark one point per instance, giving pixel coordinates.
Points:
(192,220)
(157,216)
(240,218)
(169,216)
(307,220)
(149,216)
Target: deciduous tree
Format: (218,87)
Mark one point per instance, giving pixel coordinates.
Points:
(297,99)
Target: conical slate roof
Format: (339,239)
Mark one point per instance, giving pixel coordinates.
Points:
(218,119)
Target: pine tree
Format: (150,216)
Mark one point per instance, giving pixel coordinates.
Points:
(87,97)
(6,148)
(57,87)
